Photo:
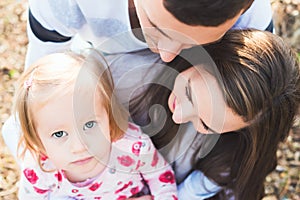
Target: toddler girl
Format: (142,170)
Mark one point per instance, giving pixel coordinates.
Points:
(76,140)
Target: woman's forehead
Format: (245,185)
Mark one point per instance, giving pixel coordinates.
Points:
(211,103)
(198,74)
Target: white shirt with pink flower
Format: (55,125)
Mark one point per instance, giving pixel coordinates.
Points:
(134,162)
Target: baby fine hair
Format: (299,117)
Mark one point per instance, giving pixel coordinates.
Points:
(56,75)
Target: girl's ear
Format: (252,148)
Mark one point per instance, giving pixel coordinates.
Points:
(42,159)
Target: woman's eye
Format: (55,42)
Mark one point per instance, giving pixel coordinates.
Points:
(188,91)
(59,134)
(204,125)
(89,125)
(207,128)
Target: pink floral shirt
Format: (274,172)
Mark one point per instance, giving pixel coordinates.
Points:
(134,161)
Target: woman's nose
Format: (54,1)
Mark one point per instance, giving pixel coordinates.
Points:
(183,110)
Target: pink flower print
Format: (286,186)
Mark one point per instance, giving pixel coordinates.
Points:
(58,176)
(167,177)
(139,164)
(133,127)
(136,148)
(30,175)
(134,190)
(155,159)
(174,197)
(75,191)
(95,186)
(125,160)
(40,191)
(43,157)
(123,197)
(125,186)
(64,174)
(97,197)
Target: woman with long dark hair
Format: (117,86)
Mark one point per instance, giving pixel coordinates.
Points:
(241,106)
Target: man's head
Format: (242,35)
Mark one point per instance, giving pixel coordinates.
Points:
(172,25)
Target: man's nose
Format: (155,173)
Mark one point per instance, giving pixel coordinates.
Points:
(167,56)
(168,49)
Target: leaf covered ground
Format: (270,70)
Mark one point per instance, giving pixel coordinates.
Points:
(282,184)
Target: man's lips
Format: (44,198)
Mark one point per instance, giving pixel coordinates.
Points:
(82,161)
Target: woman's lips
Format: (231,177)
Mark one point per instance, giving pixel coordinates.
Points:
(174,104)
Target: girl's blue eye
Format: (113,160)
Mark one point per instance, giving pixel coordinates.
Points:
(59,134)
(89,125)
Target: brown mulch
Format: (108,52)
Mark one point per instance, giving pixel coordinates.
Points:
(13,43)
(282,184)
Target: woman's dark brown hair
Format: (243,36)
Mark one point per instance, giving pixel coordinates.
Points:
(261,83)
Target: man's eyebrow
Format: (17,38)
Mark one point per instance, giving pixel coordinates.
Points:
(161,31)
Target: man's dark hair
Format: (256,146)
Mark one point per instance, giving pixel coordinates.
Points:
(205,12)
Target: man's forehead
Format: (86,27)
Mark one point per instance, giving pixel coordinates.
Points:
(172,28)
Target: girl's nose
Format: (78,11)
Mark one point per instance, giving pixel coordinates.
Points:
(77,145)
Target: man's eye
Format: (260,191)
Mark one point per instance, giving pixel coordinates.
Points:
(59,134)
(89,125)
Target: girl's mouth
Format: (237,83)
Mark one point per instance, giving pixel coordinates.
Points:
(82,161)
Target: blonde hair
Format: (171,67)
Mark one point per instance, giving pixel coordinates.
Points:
(55,75)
